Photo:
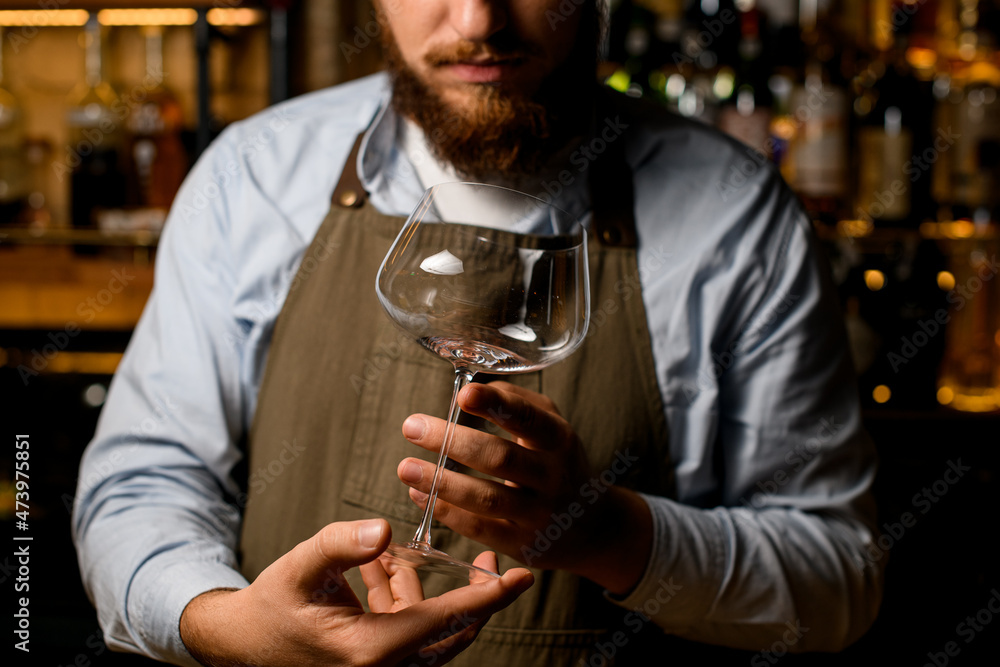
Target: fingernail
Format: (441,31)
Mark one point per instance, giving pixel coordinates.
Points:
(410,472)
(419,497)
(369,534)
(473,396)
(413,428)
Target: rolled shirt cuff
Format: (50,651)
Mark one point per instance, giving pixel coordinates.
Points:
(157,598)
(687,555)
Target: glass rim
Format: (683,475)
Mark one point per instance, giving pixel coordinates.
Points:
(547,204)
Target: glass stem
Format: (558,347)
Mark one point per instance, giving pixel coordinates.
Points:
(423,536)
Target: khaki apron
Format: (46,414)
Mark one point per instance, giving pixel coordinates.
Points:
(340,380)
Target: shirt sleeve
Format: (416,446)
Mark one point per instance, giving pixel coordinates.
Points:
(780,552)
(156,514)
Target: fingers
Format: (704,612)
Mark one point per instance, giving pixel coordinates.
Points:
(380,599)
(392,590)
(444,651)
(541,401)
(497,533)
(486,497)
(322,559)
(393,587)
(487,561)
(529,416)
(480,451)
(453,613)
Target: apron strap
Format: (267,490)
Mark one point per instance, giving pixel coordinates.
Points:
(349,192)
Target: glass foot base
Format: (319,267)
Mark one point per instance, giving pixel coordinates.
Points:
(429,559)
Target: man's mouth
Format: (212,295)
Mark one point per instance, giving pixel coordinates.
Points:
(483,70)
(469,62)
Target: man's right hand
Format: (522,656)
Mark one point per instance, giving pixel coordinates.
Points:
(301,611)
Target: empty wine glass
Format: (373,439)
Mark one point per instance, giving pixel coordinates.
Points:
(492,280)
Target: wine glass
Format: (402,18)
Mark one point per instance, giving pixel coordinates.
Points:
(492,280)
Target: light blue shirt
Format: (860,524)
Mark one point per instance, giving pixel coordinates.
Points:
(773,520)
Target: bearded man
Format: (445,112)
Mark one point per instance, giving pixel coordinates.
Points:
(696,470)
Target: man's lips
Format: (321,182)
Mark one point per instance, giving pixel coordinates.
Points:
(483,71)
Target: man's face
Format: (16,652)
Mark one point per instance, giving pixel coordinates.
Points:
(497,86)
(455,47)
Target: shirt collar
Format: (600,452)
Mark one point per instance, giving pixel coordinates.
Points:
(385,172)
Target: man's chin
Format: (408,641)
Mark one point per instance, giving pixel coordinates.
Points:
(461,98)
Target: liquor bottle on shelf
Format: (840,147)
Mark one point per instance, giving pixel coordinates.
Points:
(892,111)
(966,179)
(747,114)
(12,183)
(816,165)
(94,153)
(156,152)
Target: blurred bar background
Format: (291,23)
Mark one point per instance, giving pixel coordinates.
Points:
(883,116)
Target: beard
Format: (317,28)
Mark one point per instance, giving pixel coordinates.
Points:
(499,133)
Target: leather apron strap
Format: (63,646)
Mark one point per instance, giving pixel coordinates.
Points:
(350,193)
(340,379)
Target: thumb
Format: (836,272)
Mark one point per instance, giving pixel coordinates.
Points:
(321,560)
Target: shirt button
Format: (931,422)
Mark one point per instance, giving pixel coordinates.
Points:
(348,198)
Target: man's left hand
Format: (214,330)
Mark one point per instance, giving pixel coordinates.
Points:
(534,510)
